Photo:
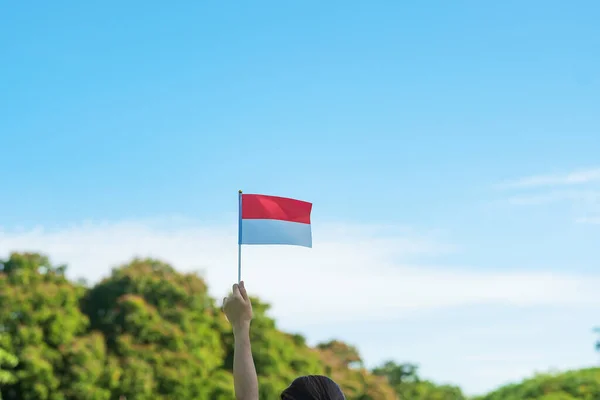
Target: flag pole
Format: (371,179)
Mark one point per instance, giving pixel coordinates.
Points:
(239,236)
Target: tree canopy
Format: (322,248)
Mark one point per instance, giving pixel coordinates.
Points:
(573,385)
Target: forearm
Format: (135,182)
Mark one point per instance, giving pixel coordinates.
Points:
(244,372)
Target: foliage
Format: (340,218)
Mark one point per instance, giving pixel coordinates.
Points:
(162,329)
(407,384)
(7,360)
(572,385)
(44,328)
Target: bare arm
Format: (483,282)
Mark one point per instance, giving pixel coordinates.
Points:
(244,371)
(239,313)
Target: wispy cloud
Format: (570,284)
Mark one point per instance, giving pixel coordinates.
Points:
(579,177)
(577,190)
(360,273)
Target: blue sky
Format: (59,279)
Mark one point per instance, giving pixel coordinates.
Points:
(455,143)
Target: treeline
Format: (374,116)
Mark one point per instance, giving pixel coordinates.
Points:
(572,385)
(149,332)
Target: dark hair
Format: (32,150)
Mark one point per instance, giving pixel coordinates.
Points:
(313,387)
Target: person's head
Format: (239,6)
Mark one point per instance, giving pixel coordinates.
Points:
(313,387)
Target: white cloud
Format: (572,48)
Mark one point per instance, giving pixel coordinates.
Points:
(573,178)
(353,273)
(495,345)
(584,201)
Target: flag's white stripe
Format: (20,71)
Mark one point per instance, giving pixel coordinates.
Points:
(270,231)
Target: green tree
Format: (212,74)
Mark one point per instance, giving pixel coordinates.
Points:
(398,374)
(163,331)
(407,384)
(44,328)
(581,385)
(344,364)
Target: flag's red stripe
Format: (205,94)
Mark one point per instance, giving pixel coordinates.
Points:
(258,206)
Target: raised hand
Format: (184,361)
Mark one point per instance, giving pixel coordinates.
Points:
(237,307)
